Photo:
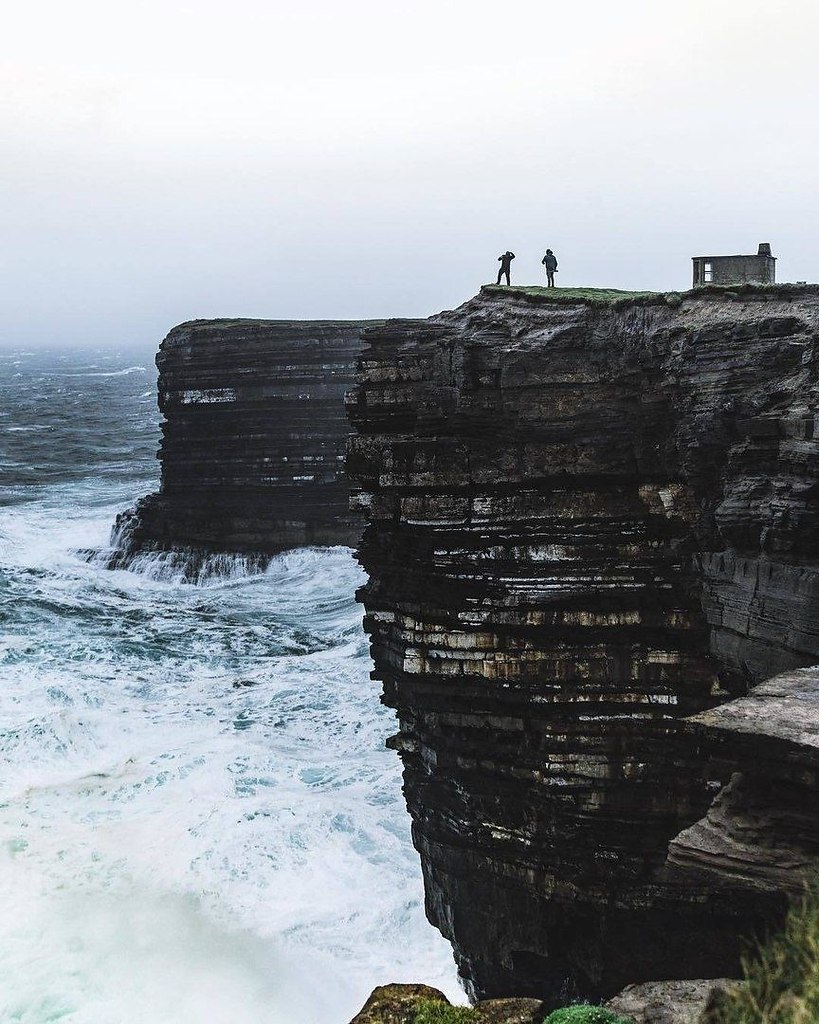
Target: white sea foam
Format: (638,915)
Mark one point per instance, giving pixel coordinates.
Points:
(91,372)
(198,819)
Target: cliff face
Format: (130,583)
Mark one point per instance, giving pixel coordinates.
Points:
(588,522)
(253,441)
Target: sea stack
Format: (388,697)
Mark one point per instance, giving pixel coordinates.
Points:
(253,439)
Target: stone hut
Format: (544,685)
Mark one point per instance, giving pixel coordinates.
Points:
(758,269)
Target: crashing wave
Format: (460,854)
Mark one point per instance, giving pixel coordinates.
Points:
(188,565)
(170,563)
(177,565)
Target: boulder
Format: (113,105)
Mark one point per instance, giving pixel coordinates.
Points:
(667,1002)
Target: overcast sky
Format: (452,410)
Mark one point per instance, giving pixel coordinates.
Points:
(163,160)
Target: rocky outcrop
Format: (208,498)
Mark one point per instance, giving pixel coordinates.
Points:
(589,520)
(400,1004)
(253,440)
(658,1002)
(397,1004)
(760,837)
(668,1002)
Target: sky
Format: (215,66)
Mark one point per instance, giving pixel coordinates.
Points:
(164,160)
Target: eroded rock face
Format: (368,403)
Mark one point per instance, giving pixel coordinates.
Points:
(253,441)
(760,837)
(586,523)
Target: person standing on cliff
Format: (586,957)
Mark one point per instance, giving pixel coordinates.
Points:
(505,265)
(549,261)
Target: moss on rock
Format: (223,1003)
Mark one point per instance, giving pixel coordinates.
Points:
(585,1014)
(398,1004)
(435,1012)
(420,1004)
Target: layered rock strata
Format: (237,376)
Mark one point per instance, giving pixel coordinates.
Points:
(589,520)
(760,837)
(253,439)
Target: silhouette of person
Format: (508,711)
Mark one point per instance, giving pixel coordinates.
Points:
(505,264)
(549,261)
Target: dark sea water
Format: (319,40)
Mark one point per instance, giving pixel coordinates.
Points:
(198,819)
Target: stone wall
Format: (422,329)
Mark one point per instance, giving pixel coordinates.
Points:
(735,270)
(588,521)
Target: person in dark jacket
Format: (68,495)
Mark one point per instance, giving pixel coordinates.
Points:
(549,261)
(505,265)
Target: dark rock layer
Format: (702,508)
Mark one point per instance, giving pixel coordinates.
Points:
(588,521)
(253,440)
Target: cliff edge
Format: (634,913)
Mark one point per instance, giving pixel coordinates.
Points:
(592,519)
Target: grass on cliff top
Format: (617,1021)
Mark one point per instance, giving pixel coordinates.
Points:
(782,979)
(592,296)
(787,291)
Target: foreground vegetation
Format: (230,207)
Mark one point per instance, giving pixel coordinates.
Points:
(782,979)
(434,1012)
(586,1015)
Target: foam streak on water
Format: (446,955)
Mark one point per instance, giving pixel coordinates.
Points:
(198,819)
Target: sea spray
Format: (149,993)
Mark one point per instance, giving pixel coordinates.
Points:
(198,819)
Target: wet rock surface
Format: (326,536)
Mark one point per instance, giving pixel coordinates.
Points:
(588,522)
(253,441)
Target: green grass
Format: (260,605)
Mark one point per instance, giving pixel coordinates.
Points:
(590,296)
(615,297)
(584,1014)
(431,1011)
(782,978)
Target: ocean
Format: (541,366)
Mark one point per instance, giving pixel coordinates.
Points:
(199,821)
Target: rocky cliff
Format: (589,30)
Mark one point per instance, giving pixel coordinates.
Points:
(253,440)
(592,519)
